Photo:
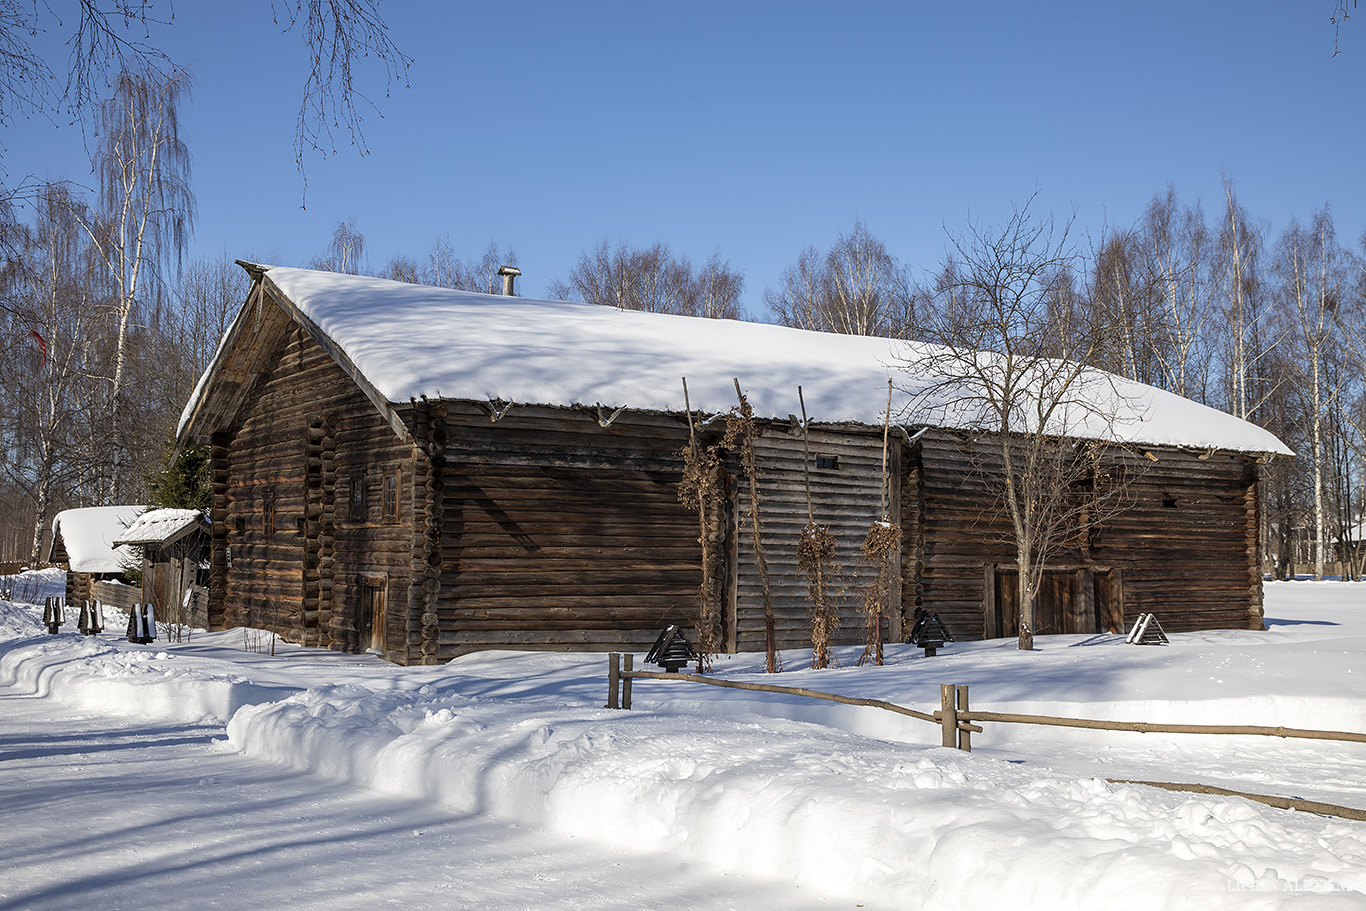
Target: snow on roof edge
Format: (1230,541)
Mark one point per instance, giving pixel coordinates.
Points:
(156,526)
(88,534)
(411,341)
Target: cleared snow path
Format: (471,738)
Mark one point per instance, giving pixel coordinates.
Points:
(851,807)
(115,814)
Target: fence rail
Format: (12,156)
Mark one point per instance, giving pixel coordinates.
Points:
(955,714)
(1146,727)
(956,720)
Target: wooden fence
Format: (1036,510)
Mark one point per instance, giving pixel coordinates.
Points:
(958,722)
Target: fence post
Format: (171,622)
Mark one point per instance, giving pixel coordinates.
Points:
(964,736)
(630,660)
(613,676)
(948,715)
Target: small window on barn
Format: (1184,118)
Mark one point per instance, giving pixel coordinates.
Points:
(268,511)
(389,504)
(356,498)
(1169,502)
(828,463)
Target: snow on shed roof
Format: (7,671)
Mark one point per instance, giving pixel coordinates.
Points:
(158,526)
(88,535)
(410,341)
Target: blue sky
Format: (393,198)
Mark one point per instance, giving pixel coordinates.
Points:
(757,129)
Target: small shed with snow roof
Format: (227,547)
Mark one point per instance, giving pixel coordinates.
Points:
(427,472)
(83,540)
(174,545)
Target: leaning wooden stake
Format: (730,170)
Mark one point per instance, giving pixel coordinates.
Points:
(879,547)
(699,488)
(815,556)
(740,436)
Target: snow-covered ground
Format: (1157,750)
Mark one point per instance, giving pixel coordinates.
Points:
(215,776)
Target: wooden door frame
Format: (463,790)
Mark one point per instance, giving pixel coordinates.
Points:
(377,583)
(1084,575)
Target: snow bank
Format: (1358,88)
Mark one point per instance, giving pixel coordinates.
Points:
(32,586)
(96,673)
(712,778)
(875,822)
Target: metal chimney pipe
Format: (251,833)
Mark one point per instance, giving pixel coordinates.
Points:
(509,274)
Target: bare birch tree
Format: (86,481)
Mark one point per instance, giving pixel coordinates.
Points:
(1176,254)
(856,288)
(206,297)
(1311,281)
(50,410)
(653,279)
(145,214)
(1248,343)
(345,251)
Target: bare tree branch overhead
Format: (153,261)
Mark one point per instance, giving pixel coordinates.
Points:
(339,34)
(107,37)
(1340,15)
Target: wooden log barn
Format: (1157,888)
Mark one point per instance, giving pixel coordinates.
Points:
(426,472)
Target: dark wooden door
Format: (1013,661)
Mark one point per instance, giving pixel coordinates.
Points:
(1068,602)
(371,620)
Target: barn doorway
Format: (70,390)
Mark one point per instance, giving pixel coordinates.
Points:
(1070,601)
(370,622)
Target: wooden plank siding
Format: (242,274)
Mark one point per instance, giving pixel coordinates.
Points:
(1184,547)
(846,498)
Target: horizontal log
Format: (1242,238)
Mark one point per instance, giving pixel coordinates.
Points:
(1145,727)
(535,590)
(783,690)
(582,602)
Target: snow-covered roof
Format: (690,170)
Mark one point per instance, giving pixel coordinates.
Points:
(88,535)
(159,526)
(409,341)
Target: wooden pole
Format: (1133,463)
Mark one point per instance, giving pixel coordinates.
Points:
(964,733)
(948,715)
(751,469)
(626,680)
(1284,803)
(806,460)
(613,679)
(886,430)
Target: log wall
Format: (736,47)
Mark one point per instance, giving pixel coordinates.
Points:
(556,532)
(304,434)
(1184,546)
